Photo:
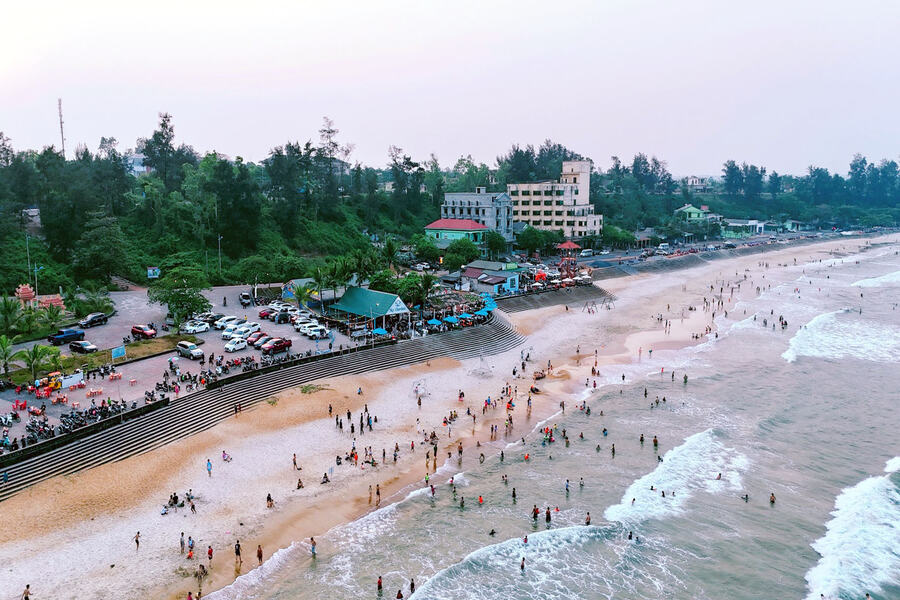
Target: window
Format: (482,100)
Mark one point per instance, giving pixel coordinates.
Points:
(526,192)
(575,191)
(514,192)
(558,223)
(570,223)
(526,202)
(548,192)
(515,213)
(548,222)
(559,202)
(558,213)
(548,213)
(548,202)
(559,192)
(574,180)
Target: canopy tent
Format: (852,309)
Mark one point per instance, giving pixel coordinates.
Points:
(380,331)
(369,303)
(466,315)
(433,322)
(451,319)
(482,313)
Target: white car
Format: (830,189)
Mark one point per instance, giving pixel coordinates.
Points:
(318,332)
(229,331)
(235,344)
(307,327)
(224,322)
(304,322)
(253,326)
(241,332)
(195,327)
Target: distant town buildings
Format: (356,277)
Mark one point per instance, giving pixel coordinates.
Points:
(491,209)
(558,205)
(445,231)
(135,163)
(697,185)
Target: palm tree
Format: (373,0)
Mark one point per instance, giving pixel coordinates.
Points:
(97,301)
(29,320)
(55,360)
(10,314)
(389,251)
(340,271)
(320,276)
(35,358)
(423,289)
(302,293)
(52,316)
(7,354)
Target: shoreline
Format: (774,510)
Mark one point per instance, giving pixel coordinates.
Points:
(86,496)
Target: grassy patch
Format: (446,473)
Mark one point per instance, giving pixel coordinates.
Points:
(312,388)
(135,350)
(272,401)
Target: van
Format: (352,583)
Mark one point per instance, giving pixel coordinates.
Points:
(664,246)
(587,252)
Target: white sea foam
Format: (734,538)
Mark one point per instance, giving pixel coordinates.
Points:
(253,583)
(888,279)
(861,547)
(841,334)
(685,470)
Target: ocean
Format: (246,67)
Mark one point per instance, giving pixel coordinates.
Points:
(807,413)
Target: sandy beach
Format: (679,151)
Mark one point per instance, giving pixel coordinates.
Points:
(73,536)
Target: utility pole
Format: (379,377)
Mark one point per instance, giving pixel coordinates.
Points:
(62,136)
(27,254)
(220,255)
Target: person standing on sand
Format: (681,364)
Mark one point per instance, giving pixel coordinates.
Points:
(209,555)
(312,546)
(137,541)
(237,553)
(209,467)
(27,593)
(259,554)
(182,542)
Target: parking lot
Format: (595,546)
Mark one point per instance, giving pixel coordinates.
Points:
(132,308)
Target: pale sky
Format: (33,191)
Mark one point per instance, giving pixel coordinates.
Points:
(784,84)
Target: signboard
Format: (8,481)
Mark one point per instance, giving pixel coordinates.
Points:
(118,352)
(152,272)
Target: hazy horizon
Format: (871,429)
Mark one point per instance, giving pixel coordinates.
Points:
(694,83)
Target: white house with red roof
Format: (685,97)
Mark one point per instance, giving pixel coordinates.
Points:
(448,230)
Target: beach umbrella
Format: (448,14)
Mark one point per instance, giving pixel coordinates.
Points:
(451,319)
(433,322)
(379,331)
(466,316)
(482,313)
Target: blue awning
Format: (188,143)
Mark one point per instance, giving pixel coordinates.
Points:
(379,331)
(466,316)
(482,313)
(451,319)
(433,322)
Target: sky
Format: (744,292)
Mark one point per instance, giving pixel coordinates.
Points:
(783,84)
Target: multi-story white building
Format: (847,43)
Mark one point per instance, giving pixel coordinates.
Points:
(491,209)
(555,205)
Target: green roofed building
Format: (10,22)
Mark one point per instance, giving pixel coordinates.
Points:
(370,304)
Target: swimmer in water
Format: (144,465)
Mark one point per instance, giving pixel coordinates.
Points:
(492,532)
(745,497)
(772,498)
(718,477)
(587,521)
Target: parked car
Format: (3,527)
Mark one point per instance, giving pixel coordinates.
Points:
(235,344)
(210,318)
(225,322)
(93,320)
(259,343)
(142,332)
(241,332)
(82,347)
(65,335)
(276,345)
(586,252)
(245,299)
(281,317)
(302,322)
(266,311)
(195,327)
(229,331)
(189,350)
(319,332)
(251,339)
(253,326)
(306,327)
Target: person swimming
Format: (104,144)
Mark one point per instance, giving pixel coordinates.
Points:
(492,532)
(772,498)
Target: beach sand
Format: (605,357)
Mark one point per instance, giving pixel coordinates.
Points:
(74,533)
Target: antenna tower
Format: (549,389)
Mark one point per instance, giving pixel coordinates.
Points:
(62,135)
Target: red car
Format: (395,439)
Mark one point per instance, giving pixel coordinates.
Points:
(254,337)
(142,332)
(264,313)
(275,346)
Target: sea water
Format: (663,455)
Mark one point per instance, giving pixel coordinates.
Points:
(807,414)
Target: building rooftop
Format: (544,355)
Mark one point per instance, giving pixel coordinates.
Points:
(456,225)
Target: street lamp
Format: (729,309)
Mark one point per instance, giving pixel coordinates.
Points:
(220,254)
(36,269)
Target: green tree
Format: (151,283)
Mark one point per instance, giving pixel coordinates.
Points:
(180,289)
(530,240)
(10,315)
(733,179)
(101,250)
(383,281)
(425,249)
(495,242)
(35,358)
(460,252)
(7,354)
(303,293)
(51,316)
(29,320)
(389,251)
